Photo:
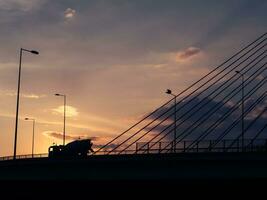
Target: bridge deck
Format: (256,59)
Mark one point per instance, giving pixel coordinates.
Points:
(201,166)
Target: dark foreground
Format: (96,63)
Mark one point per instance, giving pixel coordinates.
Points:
(182,167)
(151,174)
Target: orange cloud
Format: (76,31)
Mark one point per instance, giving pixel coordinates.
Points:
(59,135)
(186,54)
(97,141)
(70,111)
(24,95)
(69,13)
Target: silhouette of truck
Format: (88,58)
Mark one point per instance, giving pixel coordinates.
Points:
(75,149)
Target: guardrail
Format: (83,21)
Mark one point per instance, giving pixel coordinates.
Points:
(250,145)
(27,156)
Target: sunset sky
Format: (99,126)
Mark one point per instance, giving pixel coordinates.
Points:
(113,59)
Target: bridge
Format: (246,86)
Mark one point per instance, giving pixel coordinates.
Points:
(220,120)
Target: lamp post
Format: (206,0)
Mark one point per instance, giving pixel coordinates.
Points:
(168,91)
(64,134)
(18,93)
(33,126)
(242,108)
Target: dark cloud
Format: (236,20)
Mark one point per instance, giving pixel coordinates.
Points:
(196,118)
(196,109)
(203,128)
(98,142)
(107,148)
(241,12)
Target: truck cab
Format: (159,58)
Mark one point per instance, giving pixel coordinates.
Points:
(55,151)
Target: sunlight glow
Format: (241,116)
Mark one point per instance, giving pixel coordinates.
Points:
(70,111)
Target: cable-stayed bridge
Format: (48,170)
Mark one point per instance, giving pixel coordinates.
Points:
(221,118)
(207,116)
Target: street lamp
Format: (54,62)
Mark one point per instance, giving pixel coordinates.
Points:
(168,91)
(242,115)
(18,93)
(33,126)
(63,95)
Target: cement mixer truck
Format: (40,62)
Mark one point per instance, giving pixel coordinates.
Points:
(74,149)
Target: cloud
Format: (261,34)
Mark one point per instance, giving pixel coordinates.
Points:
(260,77)
(59,135)
(70,111)
(257,111)
(98,142)
(91,128)
(24,95)
(32,96)
(69,13)
(183,126)
(185,54)
(98,130)
(23,5)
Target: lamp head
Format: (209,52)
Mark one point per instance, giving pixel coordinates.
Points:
(168,91)
(34,52)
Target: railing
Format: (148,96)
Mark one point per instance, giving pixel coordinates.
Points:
(250,145)
(27,156)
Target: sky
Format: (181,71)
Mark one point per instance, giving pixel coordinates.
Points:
(113,59)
